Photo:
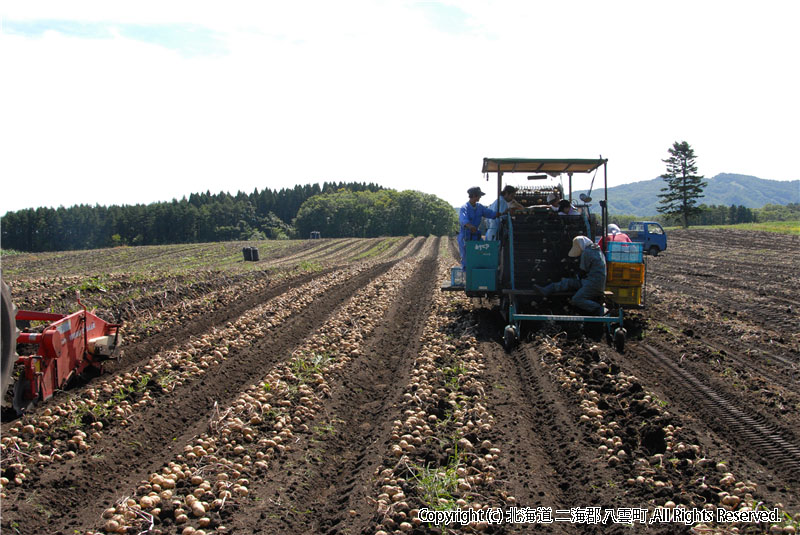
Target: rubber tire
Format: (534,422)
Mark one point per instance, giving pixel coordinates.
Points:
(653,250)
(619,340)
(8,315)
(509,338)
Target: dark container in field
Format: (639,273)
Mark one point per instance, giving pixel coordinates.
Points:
(254,254)
(248,254)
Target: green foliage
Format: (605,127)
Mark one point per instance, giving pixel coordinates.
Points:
(202,217)
(684,186)
(368,214)
(778,212)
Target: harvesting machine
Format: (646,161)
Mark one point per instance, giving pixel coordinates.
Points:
(69,345)
(531,248)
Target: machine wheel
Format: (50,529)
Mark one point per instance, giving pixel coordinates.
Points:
(653,250)
(509,337)
(9,336)
(619,339)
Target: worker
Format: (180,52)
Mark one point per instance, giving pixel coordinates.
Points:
(589,289)
(614,234)
(505,203)
(565,208)
(469,217)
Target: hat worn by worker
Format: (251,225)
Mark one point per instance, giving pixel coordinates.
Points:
(579,243)
(551,197)
(613,229)
(475,192)
(508,189)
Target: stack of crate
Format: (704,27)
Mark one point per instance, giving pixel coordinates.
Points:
(625,272)
(542,240)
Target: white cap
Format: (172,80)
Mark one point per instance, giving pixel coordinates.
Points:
(579,243)
(613,229)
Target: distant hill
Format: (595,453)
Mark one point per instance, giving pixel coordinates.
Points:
(641,198)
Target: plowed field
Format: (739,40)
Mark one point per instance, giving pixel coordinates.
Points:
(332,388)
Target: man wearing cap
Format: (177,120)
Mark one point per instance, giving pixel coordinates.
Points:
(614,234)
(590,288)
(469,217)
(503,204)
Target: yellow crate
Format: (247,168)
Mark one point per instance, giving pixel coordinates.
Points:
(626,295)
(625,274)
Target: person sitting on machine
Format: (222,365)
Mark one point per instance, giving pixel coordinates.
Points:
(505,203)
(469,218)
(614,234)
(565,208)
(588,290)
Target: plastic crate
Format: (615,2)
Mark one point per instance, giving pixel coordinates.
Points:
(626,295)
(625,252)
(457,277)
(625,274)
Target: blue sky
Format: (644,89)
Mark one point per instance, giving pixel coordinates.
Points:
(187,39)
(110,103)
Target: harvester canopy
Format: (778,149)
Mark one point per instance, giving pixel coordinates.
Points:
(541,165)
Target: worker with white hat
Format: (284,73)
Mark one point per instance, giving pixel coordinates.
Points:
(589,288)
(614,234)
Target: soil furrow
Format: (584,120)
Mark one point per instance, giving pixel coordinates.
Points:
(127,455)
(752,432)
(327,491)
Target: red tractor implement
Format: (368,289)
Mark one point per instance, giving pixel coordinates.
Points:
(67,346)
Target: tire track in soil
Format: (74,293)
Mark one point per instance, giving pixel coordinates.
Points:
(713,411)
(555,432)
(57,501)
(519,418)
(318,488)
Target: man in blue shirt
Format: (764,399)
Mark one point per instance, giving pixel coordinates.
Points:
(469,217)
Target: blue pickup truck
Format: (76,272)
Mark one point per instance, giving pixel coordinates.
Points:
(650,234)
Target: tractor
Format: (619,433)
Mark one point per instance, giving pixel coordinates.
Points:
(67,346)
(531,245)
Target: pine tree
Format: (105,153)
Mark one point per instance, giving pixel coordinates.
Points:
(684,186)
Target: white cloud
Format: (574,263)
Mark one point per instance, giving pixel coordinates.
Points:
(381,91)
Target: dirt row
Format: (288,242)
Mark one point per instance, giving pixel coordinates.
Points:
(722,307)
(155,429)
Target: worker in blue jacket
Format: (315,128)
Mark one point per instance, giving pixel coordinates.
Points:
(589,289)
(469,218)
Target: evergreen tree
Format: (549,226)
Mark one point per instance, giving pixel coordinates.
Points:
(684,186)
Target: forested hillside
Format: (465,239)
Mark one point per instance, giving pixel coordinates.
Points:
(725,189)
(206,217)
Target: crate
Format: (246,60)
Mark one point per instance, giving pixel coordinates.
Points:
(481,254)
(457,277)
(617,251)
(480,279)
(626,295)
(625,274)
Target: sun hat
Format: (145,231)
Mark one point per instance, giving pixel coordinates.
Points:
(579,243)
(475,191)
(613,229)
(508,189)
(551,197)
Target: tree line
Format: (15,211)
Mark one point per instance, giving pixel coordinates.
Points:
(368,214)
(720,214)
(207,217)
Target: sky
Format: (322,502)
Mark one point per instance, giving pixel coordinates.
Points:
(109,102)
